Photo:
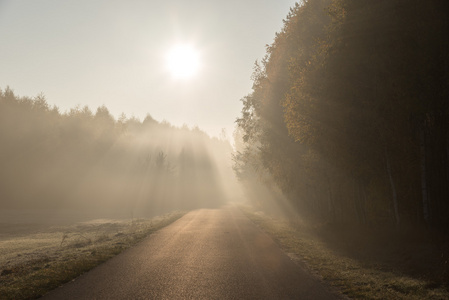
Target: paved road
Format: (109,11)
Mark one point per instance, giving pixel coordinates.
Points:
(207,254)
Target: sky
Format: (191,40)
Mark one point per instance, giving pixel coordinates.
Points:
(114,53)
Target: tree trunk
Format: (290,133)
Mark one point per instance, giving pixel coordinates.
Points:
(331,204)
(393,189)
(358,206)
(362,197)
(359,202)
(425,200)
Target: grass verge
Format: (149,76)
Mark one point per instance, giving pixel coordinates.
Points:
(77,251)
(354,276)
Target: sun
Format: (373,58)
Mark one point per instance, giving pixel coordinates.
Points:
(183,61)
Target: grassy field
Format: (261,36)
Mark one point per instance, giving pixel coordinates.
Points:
(361,266)
(38,256)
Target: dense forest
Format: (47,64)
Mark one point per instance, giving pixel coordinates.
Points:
(90,161)
(349,113)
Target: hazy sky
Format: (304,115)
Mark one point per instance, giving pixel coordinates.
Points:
(95,52)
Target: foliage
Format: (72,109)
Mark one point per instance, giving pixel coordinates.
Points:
(349,109)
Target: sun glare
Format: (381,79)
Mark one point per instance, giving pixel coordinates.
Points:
(183,61)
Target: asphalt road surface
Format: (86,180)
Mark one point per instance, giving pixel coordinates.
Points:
(207,254)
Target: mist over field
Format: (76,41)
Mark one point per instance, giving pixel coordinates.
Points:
(91,162)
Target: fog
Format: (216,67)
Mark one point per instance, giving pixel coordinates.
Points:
(90,162)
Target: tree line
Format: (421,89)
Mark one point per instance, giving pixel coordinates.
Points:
(91,161)
(349,112)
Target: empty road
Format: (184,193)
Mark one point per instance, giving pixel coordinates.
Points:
(207,254)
